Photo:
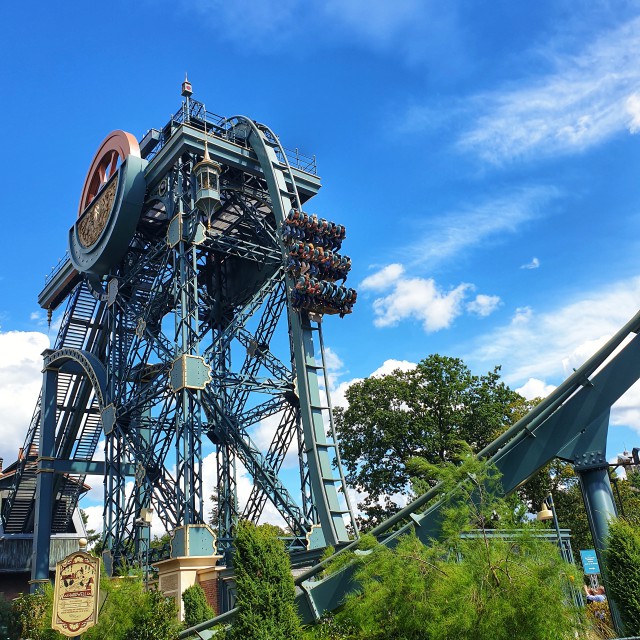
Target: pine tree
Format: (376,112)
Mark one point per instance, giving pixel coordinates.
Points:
(265,588)
(196,608)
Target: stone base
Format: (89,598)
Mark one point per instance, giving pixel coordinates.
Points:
(177,574)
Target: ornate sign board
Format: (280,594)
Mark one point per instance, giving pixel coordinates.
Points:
(75,595)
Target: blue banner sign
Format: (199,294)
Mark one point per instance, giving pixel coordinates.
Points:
(589,562)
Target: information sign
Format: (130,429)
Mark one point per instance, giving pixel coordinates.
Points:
(589,561)
(75,596)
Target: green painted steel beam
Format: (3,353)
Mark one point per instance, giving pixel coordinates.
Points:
(90,467)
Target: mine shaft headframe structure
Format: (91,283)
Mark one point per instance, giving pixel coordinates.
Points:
(220,269)
(177,274)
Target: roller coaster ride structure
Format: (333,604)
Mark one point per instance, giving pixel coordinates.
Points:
(195,288)
(190,314)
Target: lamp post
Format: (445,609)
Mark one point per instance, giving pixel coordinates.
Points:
(144,523)
(548,512)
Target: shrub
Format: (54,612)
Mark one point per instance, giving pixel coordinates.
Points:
(623,570)
(120,598)
(473,584)
(265,588)
(6,619)
(157,621)
(196,608)
(31,616)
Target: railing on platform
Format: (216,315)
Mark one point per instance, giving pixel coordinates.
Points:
(220,127)
(56,269)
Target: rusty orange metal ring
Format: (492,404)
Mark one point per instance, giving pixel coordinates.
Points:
(116,146)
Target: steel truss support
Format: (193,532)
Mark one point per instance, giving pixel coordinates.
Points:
(79,363)
(197,336)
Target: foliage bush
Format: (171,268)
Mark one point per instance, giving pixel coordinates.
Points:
(623,568)
(126,612)
(157,621)
(6,619)
(31,616)
(120,599)
(471,585)
(599,618)
(196,608)
(265,588)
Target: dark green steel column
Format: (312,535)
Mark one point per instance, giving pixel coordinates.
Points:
(44,485)
(601,508)
(599,503)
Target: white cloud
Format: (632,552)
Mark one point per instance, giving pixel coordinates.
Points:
(549,344)
(262,435)
(338,395)
(446,236)
(582,353)
(391,365)
(332,360)
(422,300)
(20,383)
(588,97)
(338,392)
(381,24)
(534,264)
(484,305)
(256,23)
(408,28)
(383,279)
(633,110)
(95,517)
(534,388)
(626,411)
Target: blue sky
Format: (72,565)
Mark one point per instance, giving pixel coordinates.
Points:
(482,155)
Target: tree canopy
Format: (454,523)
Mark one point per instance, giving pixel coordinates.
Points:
(423,412)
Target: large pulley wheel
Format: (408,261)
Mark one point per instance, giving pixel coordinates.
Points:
(110,205)
(113,151)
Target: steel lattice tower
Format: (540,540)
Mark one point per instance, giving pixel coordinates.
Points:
(182,326)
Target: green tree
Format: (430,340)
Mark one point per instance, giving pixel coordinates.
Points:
(423,412)
(121,598)
(265,588)
(623,568)
(626,494)
(214,515)
(31,616)
(157,621)
(130,612)
(196,607)
(94,538)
